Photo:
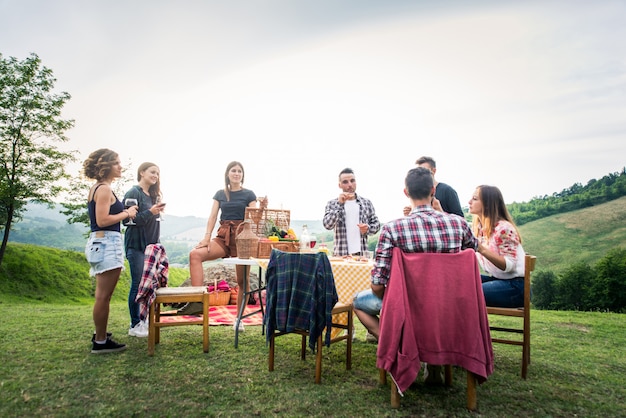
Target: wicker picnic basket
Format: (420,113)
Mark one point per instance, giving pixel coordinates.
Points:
(262,220)
(218,298)
(265,247)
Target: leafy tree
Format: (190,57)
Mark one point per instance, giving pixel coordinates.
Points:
(30,122)
(609,289)
(544,290)
(573,289)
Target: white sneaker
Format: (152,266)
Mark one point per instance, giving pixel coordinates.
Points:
(241,328)
(138,331)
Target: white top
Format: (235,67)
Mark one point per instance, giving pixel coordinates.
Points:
(353,234)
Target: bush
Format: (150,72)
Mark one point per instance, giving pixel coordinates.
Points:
(609,289)
(544,290)
(584,288)
(573,288)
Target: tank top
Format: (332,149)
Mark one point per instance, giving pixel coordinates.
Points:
(114,209)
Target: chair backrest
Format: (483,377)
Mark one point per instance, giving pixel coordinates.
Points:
(301,294)
(434,311)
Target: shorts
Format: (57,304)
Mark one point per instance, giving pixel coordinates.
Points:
(104,251)
(367,302)
(226,237)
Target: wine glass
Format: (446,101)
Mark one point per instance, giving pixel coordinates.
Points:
(128,203)
(312,241)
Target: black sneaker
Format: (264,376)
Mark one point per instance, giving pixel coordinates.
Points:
(93,337)
(108,347)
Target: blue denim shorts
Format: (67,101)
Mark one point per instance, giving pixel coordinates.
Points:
(104,251)
(367,302)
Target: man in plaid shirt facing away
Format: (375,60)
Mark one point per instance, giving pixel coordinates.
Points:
(422,230)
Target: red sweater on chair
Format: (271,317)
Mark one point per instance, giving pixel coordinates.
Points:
(434,311)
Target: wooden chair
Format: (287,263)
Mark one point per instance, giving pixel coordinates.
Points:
(418,320)
(178,295)
(521,312)
(306,278)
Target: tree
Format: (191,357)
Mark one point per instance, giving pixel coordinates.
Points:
(31,166)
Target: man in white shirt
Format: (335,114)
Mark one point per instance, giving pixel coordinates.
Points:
(351,216)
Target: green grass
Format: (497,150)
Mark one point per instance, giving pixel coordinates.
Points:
(584,235)
(578,369)
(578,358)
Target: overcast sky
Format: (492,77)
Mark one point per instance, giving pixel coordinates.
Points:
(527,96)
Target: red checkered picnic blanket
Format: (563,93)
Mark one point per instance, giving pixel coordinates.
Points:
(220,315)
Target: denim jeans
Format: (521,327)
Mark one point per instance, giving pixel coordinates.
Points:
(367,302)
(135,261)
(503,293)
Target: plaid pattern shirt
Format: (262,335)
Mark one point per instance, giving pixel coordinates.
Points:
(335,217)
(155,273)
(301,294)
(424,230)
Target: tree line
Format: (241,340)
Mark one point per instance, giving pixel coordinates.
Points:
(582,287)
(609,187)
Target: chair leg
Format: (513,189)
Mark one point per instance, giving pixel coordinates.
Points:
(157,319)
(303,348)
(395,395)
(382,377)
(349,342)
(271,355)
(318,361)
(151,330)
(205,322)
(525,360)
(471,391)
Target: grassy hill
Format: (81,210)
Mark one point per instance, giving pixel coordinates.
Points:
(584,235)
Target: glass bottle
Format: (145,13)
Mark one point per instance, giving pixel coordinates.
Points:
(305,240)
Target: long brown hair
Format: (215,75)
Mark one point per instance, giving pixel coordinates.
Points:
(155,189)
(227,181)
(494,210)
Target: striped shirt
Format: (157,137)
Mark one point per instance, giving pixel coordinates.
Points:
(424,230)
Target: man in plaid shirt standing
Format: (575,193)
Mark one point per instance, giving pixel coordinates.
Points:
(351,216)
(422,230)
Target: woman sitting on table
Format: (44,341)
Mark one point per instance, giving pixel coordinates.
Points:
(232,201)
(500,251)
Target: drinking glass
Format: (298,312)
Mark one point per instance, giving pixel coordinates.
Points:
(130,202)
(312,241)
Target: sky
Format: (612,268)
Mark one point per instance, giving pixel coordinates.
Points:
(527,96)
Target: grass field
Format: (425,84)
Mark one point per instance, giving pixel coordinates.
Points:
(584,235)
(578,369)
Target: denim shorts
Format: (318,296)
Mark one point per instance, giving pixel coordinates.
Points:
(367,302)
(104,251)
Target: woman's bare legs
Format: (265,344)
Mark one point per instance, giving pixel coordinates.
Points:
(199,255)
(105,285)
(239,272)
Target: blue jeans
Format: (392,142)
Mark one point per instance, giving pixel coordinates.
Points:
(503,293)
(135,261)
(368,302)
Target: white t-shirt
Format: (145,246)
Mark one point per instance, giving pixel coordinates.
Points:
(353,234)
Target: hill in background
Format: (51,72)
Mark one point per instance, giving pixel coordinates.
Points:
(48,227)
(586,235)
